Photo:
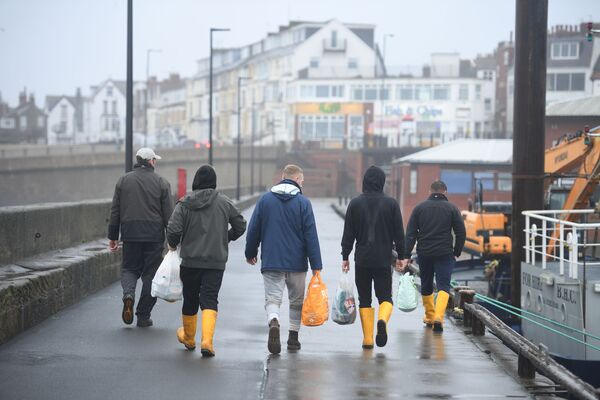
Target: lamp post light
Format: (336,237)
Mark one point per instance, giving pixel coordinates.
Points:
(148,52)
(381,96)
(239,135)
(210,95)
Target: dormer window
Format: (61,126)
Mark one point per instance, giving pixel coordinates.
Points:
(334,39)
(109,91)
(565,51)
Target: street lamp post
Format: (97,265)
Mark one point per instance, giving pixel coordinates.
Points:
(210,95)
(148,52)
(381,97)
(129,98)
(252,150)
(239,136)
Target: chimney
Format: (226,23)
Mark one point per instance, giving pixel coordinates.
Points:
(23,97)
(511,37)
(32,99)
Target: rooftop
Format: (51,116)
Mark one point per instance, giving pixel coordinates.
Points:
(464,151)
(586,107)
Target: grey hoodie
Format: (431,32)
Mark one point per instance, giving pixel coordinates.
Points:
(200,224)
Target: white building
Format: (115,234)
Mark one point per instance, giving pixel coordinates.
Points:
(167,113)
(105,112)
(65,119)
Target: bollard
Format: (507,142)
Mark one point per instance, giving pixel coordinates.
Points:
(478,327)
(525,368)
(181,182)
(466,297)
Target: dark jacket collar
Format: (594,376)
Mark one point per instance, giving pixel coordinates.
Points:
(437,196)
(291,182)
(143,167)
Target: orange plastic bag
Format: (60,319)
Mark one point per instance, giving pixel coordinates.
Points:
(315,310)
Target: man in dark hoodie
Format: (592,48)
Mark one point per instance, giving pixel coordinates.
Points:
(200,224)
(374,221)
(284,225)
(431,225)
(141,208)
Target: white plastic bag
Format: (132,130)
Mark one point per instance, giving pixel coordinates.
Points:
(407,297)
(167,284)
(343,310)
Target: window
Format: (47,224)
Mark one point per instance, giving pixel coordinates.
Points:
(441,92)
(477,92)
(337,127)
(307,91)
(7,123)
(405,92)
(422,92)
(337,91)
(565,51)
(357,93)
(314,62)
(353,63)
(63,112)
(577,82)
(562,82)
(505,181)
(413,181)
(114,107)
(105,124)
(334,39)
(384,93)
(458,182)
(463,92)
(322,91)
(550,79)
(486,178)
(109,91)
(370,92)
(321,127)
(565,82)
(23,122)
(306,127)
(105,108)
(488,105)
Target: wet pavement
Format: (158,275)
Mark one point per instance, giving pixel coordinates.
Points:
(85,351)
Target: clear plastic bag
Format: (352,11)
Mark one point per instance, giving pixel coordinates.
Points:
(407,297)
(343,310)
(167,284)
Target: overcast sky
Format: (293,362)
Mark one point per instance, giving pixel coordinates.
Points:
(54,46)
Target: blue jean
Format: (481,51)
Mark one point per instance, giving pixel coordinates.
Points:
(441,267)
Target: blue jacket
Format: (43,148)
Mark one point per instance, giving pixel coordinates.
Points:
(283,223)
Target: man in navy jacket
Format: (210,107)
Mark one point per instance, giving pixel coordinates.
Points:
(283,223)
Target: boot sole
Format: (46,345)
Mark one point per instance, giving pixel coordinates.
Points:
(274,342)
(367,346)
(438,327)
(207,353)
(381,338)
(293,347)
(127,314)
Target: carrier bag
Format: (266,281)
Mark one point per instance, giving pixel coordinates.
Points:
(315,310)
(343,310)
(167,284)
(407,297)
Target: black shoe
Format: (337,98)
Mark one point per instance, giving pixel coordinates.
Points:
(438,327)
(127,313)
(428,325)
(381,337)
(274,343)
(293,343)
(144,323)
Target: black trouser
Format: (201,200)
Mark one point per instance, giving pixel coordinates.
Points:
(141,260)
(200,289)
(382,280)
(441,267)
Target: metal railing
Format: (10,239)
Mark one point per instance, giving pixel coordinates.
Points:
(559,240)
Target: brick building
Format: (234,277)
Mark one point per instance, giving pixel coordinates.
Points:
(459,164)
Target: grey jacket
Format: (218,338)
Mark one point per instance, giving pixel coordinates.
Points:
(141,206)
(200,223)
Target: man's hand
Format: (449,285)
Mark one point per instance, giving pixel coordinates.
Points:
(251,261)
(113,245)
(400,265)
(345,266)
(315,271)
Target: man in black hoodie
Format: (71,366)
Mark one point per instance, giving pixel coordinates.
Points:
(374,221)
(200,225)
(431,225)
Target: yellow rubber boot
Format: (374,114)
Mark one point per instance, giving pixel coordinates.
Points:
(440,309)
(429,310)
(187,333)
(209,320)
(367,320)
(385,311)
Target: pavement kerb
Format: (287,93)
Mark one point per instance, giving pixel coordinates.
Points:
(34,288)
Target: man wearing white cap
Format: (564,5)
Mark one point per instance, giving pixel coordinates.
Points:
(141,207)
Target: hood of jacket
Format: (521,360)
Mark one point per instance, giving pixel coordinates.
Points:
(374,180)
(199,199)
(286,190)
